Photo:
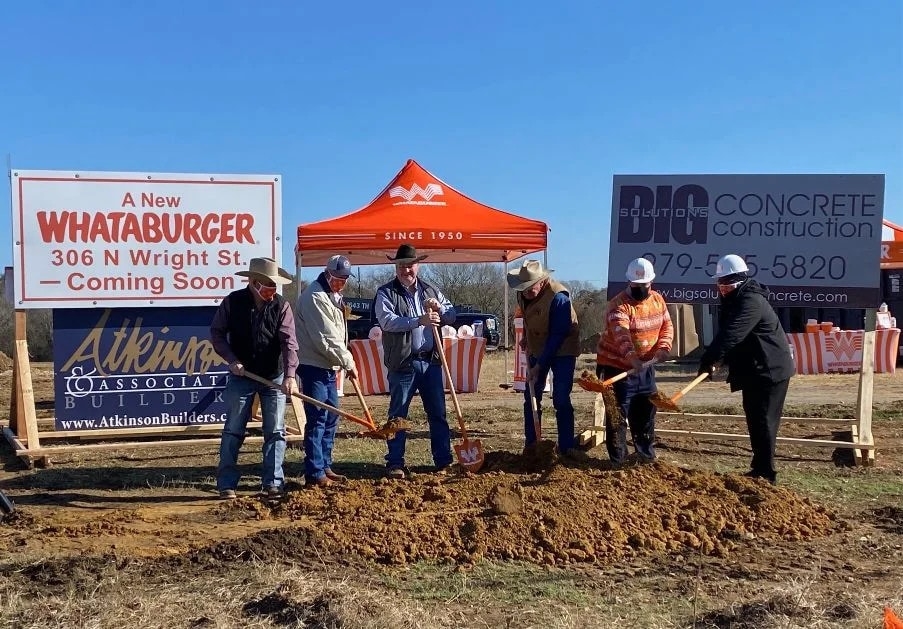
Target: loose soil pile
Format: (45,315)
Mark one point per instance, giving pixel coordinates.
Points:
(566,514)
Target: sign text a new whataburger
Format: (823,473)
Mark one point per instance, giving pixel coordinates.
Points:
(811,239)
(133,266)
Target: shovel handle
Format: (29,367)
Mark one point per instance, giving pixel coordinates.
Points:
(620,376)
(360,397)
(687,388)
(310,400)
(537,429)
(437,339)
(630,372)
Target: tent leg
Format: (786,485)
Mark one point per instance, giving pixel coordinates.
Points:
(505,288)
(297,275)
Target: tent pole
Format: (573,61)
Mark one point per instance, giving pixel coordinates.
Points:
(505,290)
(297,276)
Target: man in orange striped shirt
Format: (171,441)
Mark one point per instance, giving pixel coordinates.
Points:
(638,333)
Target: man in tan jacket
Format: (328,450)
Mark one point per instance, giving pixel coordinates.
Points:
(552,342)
(322,351)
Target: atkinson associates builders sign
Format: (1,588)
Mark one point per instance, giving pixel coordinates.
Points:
(812,240)
(136,368)
(134,265)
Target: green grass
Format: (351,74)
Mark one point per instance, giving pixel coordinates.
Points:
(850,487)
(508,583)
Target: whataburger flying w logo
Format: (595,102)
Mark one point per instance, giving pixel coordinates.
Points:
(431,190)
(844,345)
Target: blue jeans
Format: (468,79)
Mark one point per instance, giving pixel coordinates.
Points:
(637,409)
(321,425)
(562,369)
(239,396)
(426,378)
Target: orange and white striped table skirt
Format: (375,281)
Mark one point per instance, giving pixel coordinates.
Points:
(465,359)
(841,352)
(520,359)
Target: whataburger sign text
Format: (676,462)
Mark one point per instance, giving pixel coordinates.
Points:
(138,239)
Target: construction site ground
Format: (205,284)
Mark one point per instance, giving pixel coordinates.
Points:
(139,537)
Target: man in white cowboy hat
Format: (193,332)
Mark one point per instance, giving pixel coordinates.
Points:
(552,343)
(638,333)
(254,330)
(323,350)
(407,308)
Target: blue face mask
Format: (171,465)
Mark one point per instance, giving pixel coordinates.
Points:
(640,292)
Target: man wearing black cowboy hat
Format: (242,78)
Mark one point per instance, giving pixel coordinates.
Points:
(406,307)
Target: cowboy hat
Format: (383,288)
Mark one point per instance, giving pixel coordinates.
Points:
(527,275)
(406,254)
(267,268)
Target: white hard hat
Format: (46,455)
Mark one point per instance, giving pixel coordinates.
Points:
(729,265)
(640,271)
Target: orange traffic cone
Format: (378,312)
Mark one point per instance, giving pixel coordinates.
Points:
(891,621)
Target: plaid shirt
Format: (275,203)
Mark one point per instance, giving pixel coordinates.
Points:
(634,329)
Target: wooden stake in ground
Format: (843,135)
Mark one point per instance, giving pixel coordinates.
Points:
(589,382)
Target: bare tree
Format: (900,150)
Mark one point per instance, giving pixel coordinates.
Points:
(39,330)
(477,285)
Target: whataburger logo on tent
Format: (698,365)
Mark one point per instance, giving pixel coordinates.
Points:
(409,194)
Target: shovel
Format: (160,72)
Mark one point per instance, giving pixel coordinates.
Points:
(670,404)
(469,453)
(537,427)
(388,430)
(589,382)
(371,432)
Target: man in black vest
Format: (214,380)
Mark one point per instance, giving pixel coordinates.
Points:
(407,308)
(254,330)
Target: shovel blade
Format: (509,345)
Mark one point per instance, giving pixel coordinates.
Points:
(664,403)
(589,382)
(470,454)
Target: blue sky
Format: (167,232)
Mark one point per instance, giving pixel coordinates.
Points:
(524,105)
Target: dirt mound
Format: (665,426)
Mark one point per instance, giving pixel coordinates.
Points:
(6,363)
(506,500)
(566,515)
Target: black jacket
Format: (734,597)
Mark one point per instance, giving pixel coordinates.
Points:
(750,340)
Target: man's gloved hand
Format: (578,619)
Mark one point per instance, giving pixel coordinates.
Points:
(707,369)
(662,355)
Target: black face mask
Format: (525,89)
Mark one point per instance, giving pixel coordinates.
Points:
(640,292)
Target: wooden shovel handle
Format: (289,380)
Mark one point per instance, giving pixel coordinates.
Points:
(360,397)
(534,410)
(310,400)
(687,388)
(620,376)
(437,339)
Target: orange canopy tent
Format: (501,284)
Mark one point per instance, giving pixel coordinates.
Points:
(892,246)
(419,208)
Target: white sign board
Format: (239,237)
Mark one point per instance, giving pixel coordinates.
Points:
(812,240)
(138,239)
